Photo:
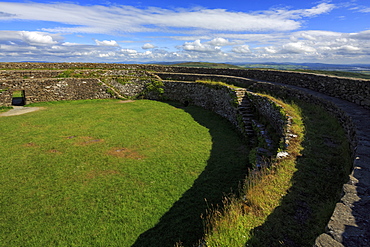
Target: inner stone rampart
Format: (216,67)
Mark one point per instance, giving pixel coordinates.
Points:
(52,89)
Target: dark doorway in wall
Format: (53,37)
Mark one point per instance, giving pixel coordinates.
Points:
(18,98)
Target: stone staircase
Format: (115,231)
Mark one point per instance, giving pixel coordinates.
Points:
(254,129)
(245,110)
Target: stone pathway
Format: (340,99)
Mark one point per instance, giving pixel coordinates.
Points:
(19,110)
(350,222)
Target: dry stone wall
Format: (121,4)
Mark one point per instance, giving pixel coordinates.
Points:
(220,99)
(39,90)
(353,90)
(350,222)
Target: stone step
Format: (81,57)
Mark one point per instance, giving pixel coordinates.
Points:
(245,103)
(244,110)
(245,107)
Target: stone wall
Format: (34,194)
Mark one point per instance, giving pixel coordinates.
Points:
(72,83)
(353,90)
(270,111)
(227,102)
(220,99)
(349,224)
(24,74)
(39,90)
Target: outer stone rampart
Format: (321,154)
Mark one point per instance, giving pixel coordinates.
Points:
(353,90)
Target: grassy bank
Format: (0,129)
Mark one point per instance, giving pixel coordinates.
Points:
(5,108)
(290,203)
(105,173)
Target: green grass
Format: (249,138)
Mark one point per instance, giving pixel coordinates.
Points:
(297,196)
(103,173)
(17,94)
(216,84)
(5,108)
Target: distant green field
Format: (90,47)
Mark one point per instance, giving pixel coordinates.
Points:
(289,67)
(207,65)
(105,173)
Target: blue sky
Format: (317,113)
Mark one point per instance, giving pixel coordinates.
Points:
(336,31)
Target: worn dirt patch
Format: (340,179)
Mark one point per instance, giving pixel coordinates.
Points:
(125,153)
(30,144)
(70,137)
(19,110)
(86,140)
(126,101)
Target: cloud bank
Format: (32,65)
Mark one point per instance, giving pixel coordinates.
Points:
(122,18)
(187,34)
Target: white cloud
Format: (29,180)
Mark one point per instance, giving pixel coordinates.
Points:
(363,9)
(197,46)
(220,42)
(241,49)
(318,10)
(107,55)
(365,35)
(298,48)
(36,38)
(122,18)
(129,51)
(106,43)
(322,8)
(148,46)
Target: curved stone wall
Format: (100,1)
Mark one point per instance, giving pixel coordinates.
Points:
(350,222)
(353,90)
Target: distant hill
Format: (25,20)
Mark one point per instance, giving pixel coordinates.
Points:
(342,70)
(353,70)
(310,66)
(207,65)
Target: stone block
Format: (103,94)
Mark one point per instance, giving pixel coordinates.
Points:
(324,240)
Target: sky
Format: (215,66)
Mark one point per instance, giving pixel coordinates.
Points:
(243,31)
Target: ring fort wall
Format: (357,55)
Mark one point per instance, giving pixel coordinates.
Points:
(222,101)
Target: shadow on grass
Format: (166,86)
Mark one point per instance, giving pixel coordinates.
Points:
(226,168)
(321,172)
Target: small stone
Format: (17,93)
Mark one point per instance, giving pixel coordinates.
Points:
(281,155)
(324,240)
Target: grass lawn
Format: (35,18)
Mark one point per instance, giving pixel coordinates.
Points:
(105,173)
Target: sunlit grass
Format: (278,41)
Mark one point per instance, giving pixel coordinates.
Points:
(100,173)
